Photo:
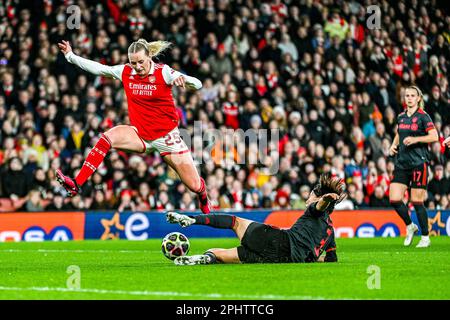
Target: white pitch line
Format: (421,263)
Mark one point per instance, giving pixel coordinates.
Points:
(77,251)
(167,294)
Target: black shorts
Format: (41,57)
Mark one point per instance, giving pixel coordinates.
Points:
(262,243)
(415,178)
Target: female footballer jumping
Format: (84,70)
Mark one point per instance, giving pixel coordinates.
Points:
(415,131)
(152,113)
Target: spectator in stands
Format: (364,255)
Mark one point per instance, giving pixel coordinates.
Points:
(99,201)
(376,141)
(379,199)
(33,201)
(15,183)
(126,202)
(359,200)
(187,202)
(57,203)
(40,182)
(220,63)
(439,186)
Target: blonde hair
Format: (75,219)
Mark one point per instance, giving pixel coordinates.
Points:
(419,92)
(152,49)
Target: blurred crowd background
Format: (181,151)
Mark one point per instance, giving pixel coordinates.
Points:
(312,69)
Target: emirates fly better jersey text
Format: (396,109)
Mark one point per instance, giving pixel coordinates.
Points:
(151,107)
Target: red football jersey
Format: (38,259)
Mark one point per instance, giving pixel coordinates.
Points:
(151,107)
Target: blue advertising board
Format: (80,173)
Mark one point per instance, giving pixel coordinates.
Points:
(64,226)
(146,225)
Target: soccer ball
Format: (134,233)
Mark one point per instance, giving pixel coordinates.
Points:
(175,244)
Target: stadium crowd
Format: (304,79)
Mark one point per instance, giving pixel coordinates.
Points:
(312,69)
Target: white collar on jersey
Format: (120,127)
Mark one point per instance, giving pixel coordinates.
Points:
(152,67)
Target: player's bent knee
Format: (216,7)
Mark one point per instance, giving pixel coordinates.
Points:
(193,185)
(417,200)
(395,197)
(113,135)
(215,250)
(218,253)
(225,255)
(241,223)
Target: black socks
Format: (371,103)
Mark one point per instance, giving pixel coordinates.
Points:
(212,257)
(422,216)
(220,221)
(421,212)
(402,211)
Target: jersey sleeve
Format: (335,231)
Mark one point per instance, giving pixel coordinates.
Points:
(170,75)
(330,250)
(427,122)
(95,67)
(312,210)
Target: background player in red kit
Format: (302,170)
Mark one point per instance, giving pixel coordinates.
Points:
(152,113)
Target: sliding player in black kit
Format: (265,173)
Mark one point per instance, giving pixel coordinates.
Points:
(415,131)
(310,236)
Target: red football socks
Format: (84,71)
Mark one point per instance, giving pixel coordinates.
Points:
(202,191)
(93,160)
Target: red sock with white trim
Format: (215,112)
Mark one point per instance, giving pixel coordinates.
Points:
(203,197)
(202,191)
(93,160)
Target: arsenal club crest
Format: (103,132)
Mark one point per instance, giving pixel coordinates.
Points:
(151,79)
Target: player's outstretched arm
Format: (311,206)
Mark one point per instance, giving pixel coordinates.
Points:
(89,65)
(178,79)
(330,250)
(325,200)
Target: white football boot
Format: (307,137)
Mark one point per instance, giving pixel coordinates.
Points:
(192,260)
(181,219)
(424,242)
(410,231)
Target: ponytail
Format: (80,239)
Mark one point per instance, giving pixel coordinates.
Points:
(419,92)
(152,49)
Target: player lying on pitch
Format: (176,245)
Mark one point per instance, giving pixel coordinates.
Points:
(310,236)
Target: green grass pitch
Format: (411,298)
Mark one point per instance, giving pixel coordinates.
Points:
(138,270)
